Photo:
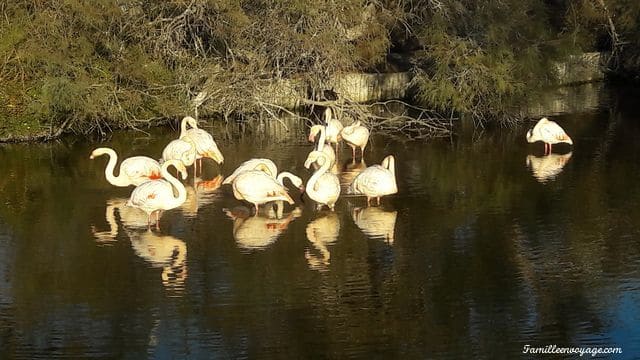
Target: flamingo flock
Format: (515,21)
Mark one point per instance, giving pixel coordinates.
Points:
(255,181)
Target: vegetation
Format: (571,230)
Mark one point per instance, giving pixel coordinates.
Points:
(90,66)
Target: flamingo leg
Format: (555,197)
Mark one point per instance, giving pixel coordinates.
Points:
(368,201)
(550,145)
(256,205)
(378,198)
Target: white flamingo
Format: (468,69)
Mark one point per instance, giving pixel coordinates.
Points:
(548,132)
(323,187)
(356,136)
(205,145)
(265,164)
(322,145)
(183,150)
(376,180)
(257,187)
(334,127)
(133,171)
(156,195)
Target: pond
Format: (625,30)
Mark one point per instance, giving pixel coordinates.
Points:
(488,247)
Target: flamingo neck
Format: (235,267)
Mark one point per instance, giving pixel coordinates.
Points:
(285,174)
(327,116)
(183,127)
(391,165)
(324,167)
(111,166)
(321,141)
(182,192)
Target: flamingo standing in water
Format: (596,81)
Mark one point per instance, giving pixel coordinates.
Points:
(333,128)
(548,132)
(322,146)
(133,171)
(156,195)
(376,180)
(323,187)
(204,143)
(356,136)
(258,187)
(264,164)
(183,150)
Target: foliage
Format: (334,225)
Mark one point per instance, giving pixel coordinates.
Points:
(89,66)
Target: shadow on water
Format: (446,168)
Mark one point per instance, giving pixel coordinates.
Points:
(488,246)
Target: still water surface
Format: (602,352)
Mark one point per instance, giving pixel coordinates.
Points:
(487,247)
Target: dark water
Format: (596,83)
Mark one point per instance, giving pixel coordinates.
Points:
(478,255)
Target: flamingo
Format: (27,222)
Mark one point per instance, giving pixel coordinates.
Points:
(548,132)
(133,171)
(356,136)
(334,127)
(257,187)
(183,150)
(252,164)
(205,145)
(322,145)
(376,180)
(323,187)
(156,195)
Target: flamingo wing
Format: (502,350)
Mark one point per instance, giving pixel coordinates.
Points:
(151,195)
(140,169)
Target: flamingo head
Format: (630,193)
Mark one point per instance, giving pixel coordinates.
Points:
(97,152)
(315,129)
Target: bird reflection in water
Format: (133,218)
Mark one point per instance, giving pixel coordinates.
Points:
(130,218)
(351,169)
(376,223)
(204,192)
(545,168)
(163,251)
(259,231)
(322,232)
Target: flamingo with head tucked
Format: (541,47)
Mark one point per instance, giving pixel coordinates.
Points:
(257,187)
(322,145)
(156,195)
(356,136)
(133,171)
(265,164)
(376,181)
(205,145)
(183,150)
(548,132)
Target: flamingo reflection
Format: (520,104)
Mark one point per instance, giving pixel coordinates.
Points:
(129,217)
(376,223)
(545,168)
(322,232)
(163,251)
(204,192)
(259,231)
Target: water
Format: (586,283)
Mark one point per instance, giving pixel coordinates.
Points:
(478,255)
